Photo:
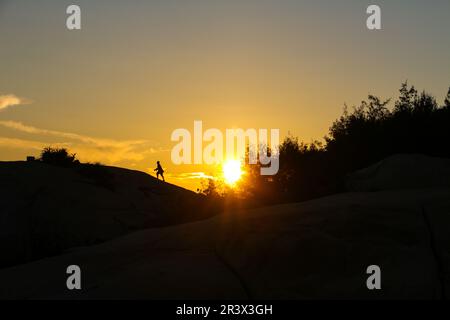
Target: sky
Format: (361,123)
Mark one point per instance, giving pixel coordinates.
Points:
(114,91)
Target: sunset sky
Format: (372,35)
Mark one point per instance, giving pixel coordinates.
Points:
(114,91)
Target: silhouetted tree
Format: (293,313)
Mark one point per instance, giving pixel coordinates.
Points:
(447,99)
(405,102)
(360,137)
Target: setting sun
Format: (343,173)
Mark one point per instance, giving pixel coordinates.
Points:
(232,171)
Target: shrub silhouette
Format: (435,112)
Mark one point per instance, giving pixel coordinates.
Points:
(96,172)
(209,188)
(58,157)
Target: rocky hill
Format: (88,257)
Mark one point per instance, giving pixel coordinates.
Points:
(46,209)
(314,249)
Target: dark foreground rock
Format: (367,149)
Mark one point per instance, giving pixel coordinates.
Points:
(402,171)
(316,249)
(47,209)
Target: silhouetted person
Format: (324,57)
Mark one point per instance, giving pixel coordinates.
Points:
(159,171)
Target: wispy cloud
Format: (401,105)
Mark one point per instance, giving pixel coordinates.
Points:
(192,175)
(20,144)
(87,148)
(10,100)
(19,126)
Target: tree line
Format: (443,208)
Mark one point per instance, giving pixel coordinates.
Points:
(363,135)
